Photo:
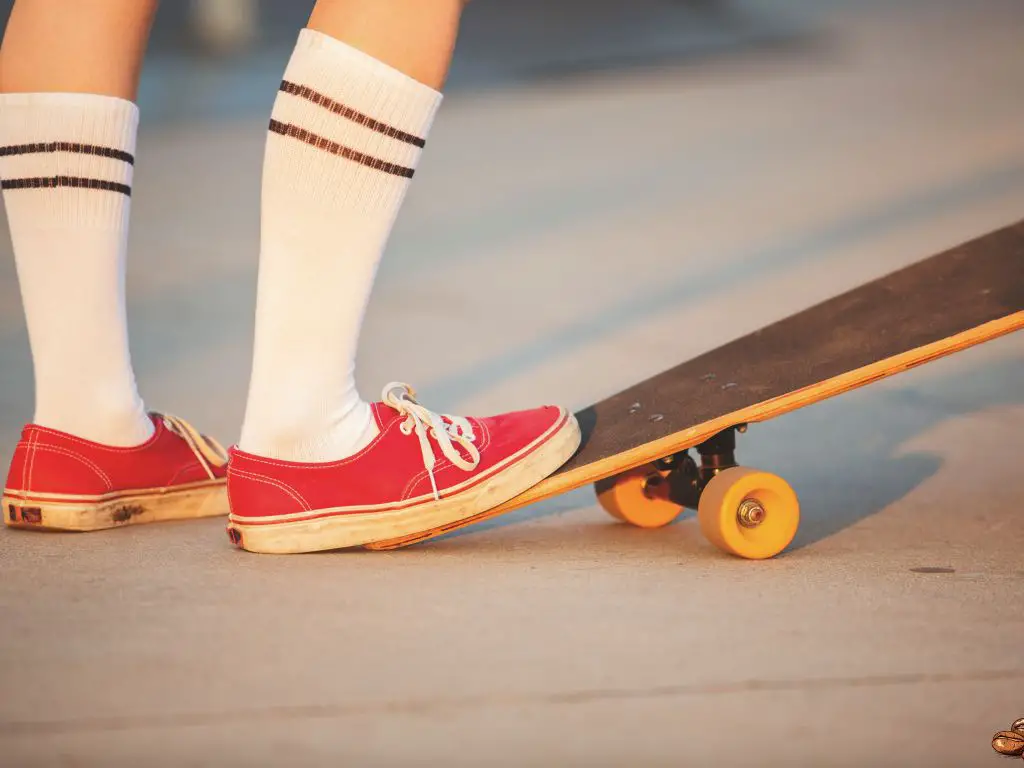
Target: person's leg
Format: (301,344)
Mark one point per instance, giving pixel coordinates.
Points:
(317,467)
(347,128)
(67,142)
(417,38)
(92,458)
(76,46)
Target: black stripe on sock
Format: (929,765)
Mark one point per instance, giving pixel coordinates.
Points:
(67,146)
(75,182)
(348,113)
(287,129)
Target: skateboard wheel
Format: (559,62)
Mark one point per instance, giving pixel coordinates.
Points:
(630,497)
(748,513)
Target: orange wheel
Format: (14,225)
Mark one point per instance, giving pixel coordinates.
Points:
(749,513)
(629,497)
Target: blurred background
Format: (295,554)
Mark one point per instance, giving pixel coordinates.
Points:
(615,172)
(211,58)
(610,188)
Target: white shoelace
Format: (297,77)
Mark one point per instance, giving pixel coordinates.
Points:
(426,424)
(208,451)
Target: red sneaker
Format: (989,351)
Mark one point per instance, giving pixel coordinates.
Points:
(422,471)
(62,482)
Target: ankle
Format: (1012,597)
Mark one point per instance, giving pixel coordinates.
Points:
(309,435)
(107,425)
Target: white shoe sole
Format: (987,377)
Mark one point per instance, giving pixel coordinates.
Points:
(354,529)
(53,513)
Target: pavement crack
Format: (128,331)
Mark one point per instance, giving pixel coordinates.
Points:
(433,706)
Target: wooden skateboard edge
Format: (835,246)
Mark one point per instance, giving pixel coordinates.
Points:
(763,411)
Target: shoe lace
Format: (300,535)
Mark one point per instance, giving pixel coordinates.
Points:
(207,450)
(446,430)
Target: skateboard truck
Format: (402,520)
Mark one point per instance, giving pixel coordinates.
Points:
(741,510)
(684,481)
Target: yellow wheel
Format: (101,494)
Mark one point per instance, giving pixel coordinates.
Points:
(749,513)
(637,497)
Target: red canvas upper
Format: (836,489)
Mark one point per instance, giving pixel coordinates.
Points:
(47,461)
(389,472)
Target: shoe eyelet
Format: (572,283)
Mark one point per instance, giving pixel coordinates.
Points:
(404,430)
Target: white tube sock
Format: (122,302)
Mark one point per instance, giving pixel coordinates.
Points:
(66,167)
(345,135)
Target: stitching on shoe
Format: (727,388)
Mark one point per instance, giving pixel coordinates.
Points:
(30,460)
(486,432)
(529,447)
(444,463)
(151,440)
(184,468)
(275,483)
(65,452)
(441,465)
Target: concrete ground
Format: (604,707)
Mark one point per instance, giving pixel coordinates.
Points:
(568,236)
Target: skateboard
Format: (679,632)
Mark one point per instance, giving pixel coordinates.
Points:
(636,444)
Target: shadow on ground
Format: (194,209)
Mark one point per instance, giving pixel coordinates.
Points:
(844,458)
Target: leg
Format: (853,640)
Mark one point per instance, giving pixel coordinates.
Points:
(93,458)
(317,466)
(76,46)
(361,84)
(70,71)
(412,36)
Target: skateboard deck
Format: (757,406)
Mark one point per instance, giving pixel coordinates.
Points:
(946,303)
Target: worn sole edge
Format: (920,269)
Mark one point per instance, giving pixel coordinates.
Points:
(349,530)
(130,509)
